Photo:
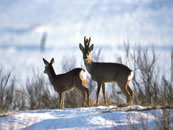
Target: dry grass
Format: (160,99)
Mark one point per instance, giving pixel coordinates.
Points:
(149,89)
(149,86)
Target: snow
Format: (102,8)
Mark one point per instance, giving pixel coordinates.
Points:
(100,117)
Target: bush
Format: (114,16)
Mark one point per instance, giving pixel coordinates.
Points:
(38,94)
(150,88)
(6,91)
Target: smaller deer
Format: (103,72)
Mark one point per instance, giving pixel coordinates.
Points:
(63,82)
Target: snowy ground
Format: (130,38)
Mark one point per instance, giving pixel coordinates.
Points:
(100,117)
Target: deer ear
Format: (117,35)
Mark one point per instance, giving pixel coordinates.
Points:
(91,47)
(52,61)
(45,61)
(81,47)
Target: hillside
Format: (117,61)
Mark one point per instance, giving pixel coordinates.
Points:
(100,117)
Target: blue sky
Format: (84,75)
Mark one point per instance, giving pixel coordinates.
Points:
(143,21)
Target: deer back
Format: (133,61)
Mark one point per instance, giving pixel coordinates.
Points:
(68,80)
(109,72)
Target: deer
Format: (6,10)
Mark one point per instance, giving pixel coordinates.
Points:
(103,72)
(75,78)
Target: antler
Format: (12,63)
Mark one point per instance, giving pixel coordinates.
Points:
(84,39)
(87,41)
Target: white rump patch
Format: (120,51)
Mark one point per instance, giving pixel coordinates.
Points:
(82,75)
(130,76)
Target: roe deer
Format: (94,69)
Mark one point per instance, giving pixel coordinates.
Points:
(107,72)
(63,82)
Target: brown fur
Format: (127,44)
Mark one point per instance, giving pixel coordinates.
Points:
(65,82)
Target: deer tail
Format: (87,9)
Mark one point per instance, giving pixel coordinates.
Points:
(131,75)
(82,76)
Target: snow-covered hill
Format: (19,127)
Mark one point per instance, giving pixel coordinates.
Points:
(100,117)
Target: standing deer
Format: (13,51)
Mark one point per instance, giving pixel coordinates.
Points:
(63,82)
(107,72)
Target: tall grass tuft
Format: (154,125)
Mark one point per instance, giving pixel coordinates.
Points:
(6,91)
(149,86)
(38,94)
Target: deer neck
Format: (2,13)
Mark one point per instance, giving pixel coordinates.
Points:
(52,75)
(88,64)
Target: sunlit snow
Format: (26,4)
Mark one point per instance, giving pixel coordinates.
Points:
(102,117)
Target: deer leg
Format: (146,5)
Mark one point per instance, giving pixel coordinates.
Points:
(98,91)
(85,90)
(123,87)
(126,93)
(60,100)
(88,95)
(129,91)
(84,98)
(104,93)
(63,100)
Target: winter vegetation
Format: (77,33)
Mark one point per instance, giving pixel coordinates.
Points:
(150,88)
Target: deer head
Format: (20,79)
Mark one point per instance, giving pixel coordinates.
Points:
(48,66)
(87,49)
